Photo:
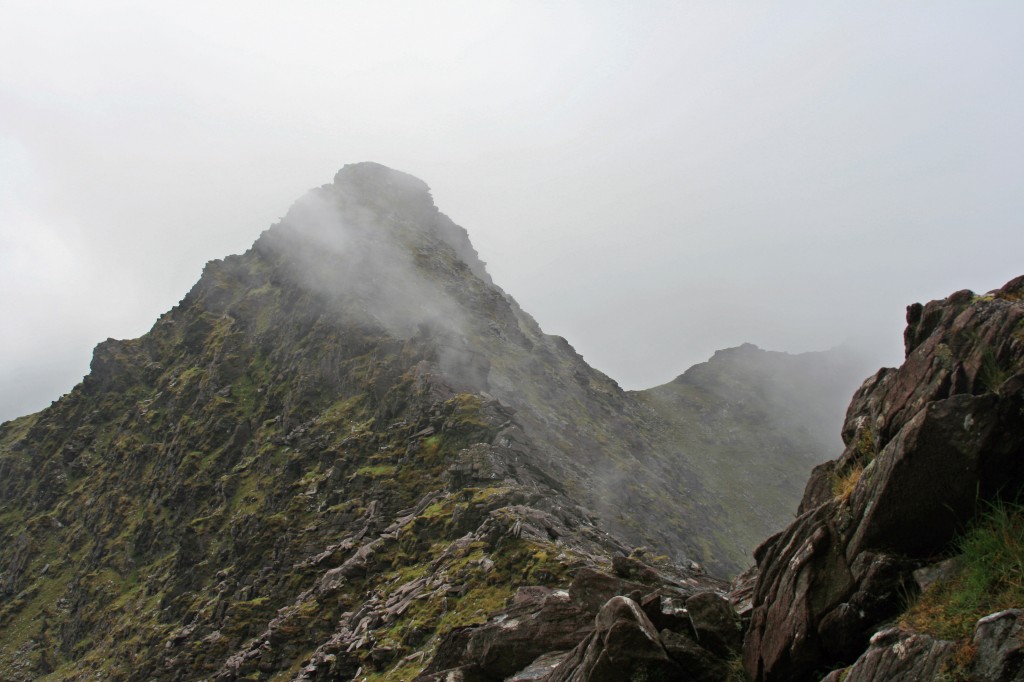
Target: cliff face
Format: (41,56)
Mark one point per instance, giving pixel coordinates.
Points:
(929,446)
(341,450)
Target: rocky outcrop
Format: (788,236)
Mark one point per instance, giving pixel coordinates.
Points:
(605,626)
(995,653)
(925,445)
(624,645)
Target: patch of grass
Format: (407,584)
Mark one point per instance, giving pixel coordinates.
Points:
(474,607)
(376,470)
(481,495)
(866,445)
(842,486)
(734,671)
(430,445)
(991,577)
(403,672)
(992,375)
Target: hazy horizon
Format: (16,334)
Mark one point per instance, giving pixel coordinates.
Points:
(653,183)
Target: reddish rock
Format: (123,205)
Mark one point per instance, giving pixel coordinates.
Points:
(923,443)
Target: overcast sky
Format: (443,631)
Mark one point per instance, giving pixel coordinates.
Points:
(652,180)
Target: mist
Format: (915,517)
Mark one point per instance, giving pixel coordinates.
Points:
(654,183)
(351,255)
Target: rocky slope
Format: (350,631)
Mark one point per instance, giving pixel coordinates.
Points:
(929,446)
(342,453)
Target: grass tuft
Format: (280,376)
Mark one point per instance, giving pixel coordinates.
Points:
(991,577)
(842,486)
(991,373)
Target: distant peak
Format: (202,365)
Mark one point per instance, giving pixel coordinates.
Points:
(377,179)
(742,348)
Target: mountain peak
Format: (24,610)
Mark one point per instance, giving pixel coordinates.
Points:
(372,207)
(377,185)
(373,174)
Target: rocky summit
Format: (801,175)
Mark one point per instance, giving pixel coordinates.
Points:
(348,455)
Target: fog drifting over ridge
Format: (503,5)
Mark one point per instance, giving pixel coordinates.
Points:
(652,183)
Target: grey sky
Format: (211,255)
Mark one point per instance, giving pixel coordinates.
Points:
(652,180)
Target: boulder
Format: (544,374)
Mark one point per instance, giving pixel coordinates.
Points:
(999,647)
(695,663)
(715,623)
(897,655)
(538,622)
(623,646)
(540,668)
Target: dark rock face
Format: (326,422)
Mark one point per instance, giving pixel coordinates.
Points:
(695,663)
(513,639)
(925,444)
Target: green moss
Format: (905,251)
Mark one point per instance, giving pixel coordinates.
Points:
(11,517)
(430,445)
(865,447)
(482,495)
(474,607)
(944,354)
(376,470)
(440,509)
(403,672)
(16,429)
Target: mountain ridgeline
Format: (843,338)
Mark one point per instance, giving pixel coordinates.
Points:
(348,454)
